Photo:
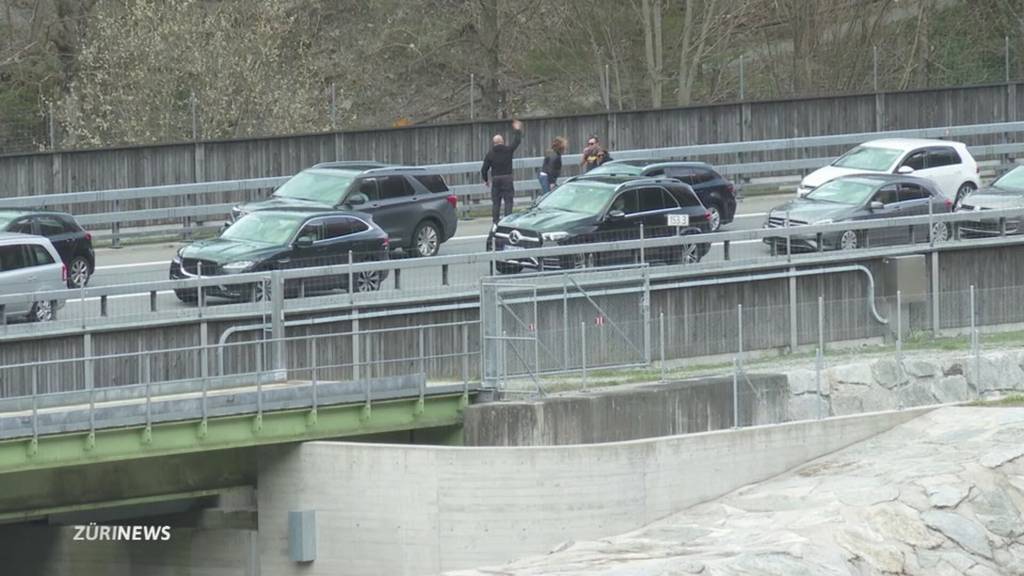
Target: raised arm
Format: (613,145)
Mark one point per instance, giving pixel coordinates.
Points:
(517,134)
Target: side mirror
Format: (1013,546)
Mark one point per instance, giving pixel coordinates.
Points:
(357,199)
(905,170)
(303,242)
(876,205)
(616,215)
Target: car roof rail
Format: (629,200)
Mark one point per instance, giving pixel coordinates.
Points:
(395,169)
(351,164)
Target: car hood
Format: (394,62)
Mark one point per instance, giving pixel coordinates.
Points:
(827,174)
(811,211)
(277,202)
(547,220)
(224,251)
(995,198)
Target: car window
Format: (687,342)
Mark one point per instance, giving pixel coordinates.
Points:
(912,192)
(264,227)
(656,172)
(392,187)
(50,226)
(23,226)
(41,256)
(1012,180)
(580,197)
(886,195)
(688,198)
(682,174)
(313,229)
(368,187)
(317,185)
(915,160)
(652,199)
(701,176)
(943,156)
(433,182)
(626,202)
(338,227)
(14,256)
(869,158)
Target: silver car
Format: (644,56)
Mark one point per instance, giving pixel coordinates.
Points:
(30,264)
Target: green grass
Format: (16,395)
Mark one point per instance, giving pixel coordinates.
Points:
(1011,400)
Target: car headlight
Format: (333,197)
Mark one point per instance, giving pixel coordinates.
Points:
(236,266)
(825,221)
(802,190)
(177,256)
(554,236)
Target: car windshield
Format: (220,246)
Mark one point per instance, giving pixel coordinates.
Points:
(1012,180)
(324,186)
(617,168)
(583,197)
(6,218)
(264,227)
(869,158)
(844,191)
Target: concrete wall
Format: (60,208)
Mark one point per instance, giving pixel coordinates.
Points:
(419,510)
(628,413)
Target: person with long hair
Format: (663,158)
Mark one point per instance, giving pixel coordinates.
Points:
(552,167)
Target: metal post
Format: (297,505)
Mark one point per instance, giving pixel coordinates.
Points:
(356,348)
(739,333)
(642,260)
(821,323)
(502,368)
(661,344)
(935,295)
(536,335)
(259,375)
(351,286)
(465,355)
(195,122)
(789,240)
(35,403)
(147,377)
(472,96)
(81,298)
(313,380)
(199,287)
(975,349)
(874,52)
(422,351)
(793,335)
(645,311)
(817,377)
(277,332)
(735,392)
(583,349)
(565,325)
(931,227)
(899,327)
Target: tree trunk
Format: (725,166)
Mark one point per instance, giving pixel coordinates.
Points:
(491,88)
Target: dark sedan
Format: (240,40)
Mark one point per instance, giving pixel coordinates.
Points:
(717,193)
(1006,192)
(271,240)
(855,199)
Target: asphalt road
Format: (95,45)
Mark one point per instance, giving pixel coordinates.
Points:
(150,262)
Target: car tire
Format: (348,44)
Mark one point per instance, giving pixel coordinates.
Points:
(715,221)
(426,239)
(41,311)
(369,281)
(939,232)
(188,296)
(78,272)
(257,292)
(961,192)
(849,240)
(507,267)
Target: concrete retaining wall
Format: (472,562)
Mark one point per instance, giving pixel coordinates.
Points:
(419,510)
(628,413)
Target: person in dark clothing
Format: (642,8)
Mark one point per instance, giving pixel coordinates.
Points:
(552,168)
(497,171)
(594,155)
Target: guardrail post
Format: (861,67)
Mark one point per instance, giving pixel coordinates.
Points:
(356,352)
(115,227)
(277,332)
(975,348)
(88,376)
(398,278)
(583,350)
(818,361)
(645,309)
(313,380)
(739,333)
(351,285)
(200,297)
(465,356)
(444,274)
(661,344)
(147,434)
(936,326)
(735,392)
(789,240)
(422,353)
(821,323)
(899,327)
(725,250)
(794,340)
(35,411)
(642,258)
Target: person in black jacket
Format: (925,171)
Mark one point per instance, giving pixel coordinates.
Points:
(497,171)
(552,167)
(593,155)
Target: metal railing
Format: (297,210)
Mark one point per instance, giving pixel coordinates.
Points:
(192,208)
(451,278)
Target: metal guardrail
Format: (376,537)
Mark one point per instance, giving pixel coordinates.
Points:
(108,296)
(195,210)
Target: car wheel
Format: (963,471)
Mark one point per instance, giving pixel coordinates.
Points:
(41,311)
(961,193)
(715,221)
(78,272)
(426,240)
(186,296)
(258,292)
(850,240)
(507,268)
(369,281)
(940,232)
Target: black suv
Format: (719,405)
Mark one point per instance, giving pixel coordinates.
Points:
(72,243)
(592,209)
(716,192)
(285,239)
(413,206)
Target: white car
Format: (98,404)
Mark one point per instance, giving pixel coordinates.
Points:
(948,165)
(30,264)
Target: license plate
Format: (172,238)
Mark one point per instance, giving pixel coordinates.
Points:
(678,219)
(507,248)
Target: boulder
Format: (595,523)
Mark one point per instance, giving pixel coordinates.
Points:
(915,394)
(888,373)
(855,374)
(950,389)
(805,382)
(966,533)
(920,368)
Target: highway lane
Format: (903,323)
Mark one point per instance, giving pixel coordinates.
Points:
(150,263)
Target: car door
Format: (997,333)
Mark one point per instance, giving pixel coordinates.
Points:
(943,166)
(397,210)
(655,204)
(63,239)
(16,276)
(888,196)
(625,227)
(914,201)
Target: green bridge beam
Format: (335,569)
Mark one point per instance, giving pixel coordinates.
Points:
(196,435)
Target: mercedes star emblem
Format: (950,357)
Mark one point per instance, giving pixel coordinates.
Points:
(515,237)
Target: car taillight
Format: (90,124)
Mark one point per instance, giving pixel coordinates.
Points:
(949,203)
(64,272)
(453,200)
(88,236)
(707,215)
(385,243)
(730,188)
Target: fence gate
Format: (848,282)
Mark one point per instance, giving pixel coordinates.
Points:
(567,322)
